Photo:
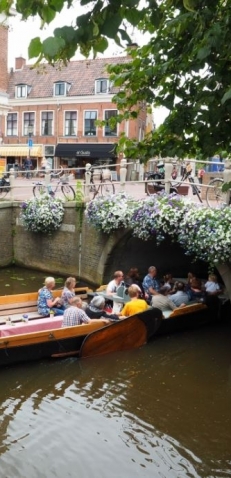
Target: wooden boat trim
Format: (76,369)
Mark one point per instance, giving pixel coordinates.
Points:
(188,309)
(32,338)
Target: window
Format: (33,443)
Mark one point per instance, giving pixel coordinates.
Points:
(61,88)
(101,86)
(110,129)
(12,124)
(28,121)
(70,123)
(21,91)
(47,123)
(89,123)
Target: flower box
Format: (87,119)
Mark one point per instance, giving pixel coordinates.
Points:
(183,190)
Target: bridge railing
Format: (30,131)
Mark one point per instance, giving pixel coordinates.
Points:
(122,184)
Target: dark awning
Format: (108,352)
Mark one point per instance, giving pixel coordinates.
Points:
(85,150)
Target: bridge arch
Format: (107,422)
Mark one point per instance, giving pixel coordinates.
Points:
(123,251)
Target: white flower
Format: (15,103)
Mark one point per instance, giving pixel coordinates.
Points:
(43,215)
(204,233)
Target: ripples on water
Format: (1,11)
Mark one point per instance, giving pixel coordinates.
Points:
(162,411)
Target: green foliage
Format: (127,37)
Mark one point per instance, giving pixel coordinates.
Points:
(226,187)
(80,205)
(184,65)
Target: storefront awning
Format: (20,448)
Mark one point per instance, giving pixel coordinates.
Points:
(21,151)
(85,150)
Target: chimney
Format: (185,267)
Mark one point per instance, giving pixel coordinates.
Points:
(19,63)
(130,48)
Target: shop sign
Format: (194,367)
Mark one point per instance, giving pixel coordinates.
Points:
(83,153)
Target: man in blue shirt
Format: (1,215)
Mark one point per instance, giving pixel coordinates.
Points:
(150,284)
(27,166)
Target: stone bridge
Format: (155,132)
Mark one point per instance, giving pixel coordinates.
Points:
(89,254)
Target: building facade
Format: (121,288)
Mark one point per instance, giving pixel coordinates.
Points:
(54,113)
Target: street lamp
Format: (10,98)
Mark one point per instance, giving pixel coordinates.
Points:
(30,141)
(30,130)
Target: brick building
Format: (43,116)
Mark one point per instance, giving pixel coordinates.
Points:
(53,113)
(4,103)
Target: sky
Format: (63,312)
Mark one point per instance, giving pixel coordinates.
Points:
(22,32)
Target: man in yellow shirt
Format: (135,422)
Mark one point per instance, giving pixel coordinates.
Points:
(135,305)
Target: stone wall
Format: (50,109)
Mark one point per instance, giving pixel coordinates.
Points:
(85,252)
(7,231)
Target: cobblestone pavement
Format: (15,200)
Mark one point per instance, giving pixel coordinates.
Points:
(23,189)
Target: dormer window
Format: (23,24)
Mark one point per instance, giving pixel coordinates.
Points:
(22,91)
(61,88)
(101,86)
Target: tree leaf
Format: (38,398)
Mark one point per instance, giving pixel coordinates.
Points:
(51,46)
(35,48)
(226,96)
(101,45)
(111,25)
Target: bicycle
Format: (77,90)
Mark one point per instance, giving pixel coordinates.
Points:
(154,184)
(187,176)
(68,192)
(214,194)
(100,183)
(4,185)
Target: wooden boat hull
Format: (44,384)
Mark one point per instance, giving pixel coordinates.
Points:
(129,333)
(191,316)
(81,341)
(60,342)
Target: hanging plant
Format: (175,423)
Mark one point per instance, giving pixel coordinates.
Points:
(110,213)
(42,215)
(203,232)
(159,216)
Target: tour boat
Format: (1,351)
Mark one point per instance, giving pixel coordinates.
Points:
(26,337)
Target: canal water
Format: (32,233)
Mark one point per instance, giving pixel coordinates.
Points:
(17,280)
(162,411)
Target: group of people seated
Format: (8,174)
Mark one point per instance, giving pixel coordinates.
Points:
(164,295)
(69,305)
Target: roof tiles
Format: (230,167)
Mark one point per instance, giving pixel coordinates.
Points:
(80,74)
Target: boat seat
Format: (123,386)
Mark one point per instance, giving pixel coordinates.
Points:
(122,291)
(18,308)
(101,288)
(166,313)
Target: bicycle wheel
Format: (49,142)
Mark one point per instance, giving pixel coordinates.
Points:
(107,188)
(39,190)
(91,191)
(4,191)
(68,192)
(214,195)
(195,189)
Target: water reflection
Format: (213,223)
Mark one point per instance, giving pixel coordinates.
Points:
(17,280)
(161,411)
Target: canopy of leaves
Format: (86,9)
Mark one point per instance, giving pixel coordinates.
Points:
(185,65)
